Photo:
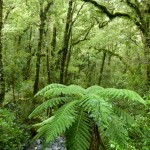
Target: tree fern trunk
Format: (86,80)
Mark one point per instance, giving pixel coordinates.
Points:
(96,141)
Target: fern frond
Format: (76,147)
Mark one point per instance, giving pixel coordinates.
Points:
(48,87)
(97,107)
(61,121)
(76,89)
(55,90)
(79,134)
(113,94)
(124,116)
(117,132)
(94,89)
(50,103)
(49,120)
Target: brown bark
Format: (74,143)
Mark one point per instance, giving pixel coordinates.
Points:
(2,81)
(96,141)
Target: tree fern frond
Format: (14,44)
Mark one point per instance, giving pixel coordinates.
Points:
(112,93)
(50,103)
(79,134)
(52,91)
(76,89)
(85,101)
(48,87)
(97,107)
(94,89)
(117,132)
(123,115)
(49,120)
(62,120)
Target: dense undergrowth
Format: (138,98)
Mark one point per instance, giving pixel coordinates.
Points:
(13,134)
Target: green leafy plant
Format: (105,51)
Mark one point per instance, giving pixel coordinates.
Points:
(81,111)
(13,135)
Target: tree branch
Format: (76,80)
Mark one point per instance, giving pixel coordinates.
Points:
(77,14)
(106,11)
(85,37)
(112,16)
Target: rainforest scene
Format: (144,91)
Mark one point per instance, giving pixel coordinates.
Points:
(74,75)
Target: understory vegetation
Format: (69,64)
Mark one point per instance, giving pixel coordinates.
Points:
(79,69)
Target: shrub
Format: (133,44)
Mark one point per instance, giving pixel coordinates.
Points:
(13,134)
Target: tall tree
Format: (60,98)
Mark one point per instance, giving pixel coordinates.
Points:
(2,82)
(66,39)
(43,13)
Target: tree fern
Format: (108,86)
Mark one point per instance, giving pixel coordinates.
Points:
(61,121)
(50,103)
(117,132)
(79,134)
(79,107)
(112,94)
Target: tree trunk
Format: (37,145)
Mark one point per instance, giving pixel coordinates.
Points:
(67,64)
(41,31)
(53,43)
(147,55)
(2,81)
(66,39)
(102,68)
(50,54)
(48,66)
(26,70)
(96,141)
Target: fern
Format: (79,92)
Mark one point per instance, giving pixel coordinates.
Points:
(117,132)
(49,87)
(50,103)
(79,134)
(79,107)
(61,121)
(94,89)
(124,116)
(112,94)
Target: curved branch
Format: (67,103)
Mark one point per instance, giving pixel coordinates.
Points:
(118,14)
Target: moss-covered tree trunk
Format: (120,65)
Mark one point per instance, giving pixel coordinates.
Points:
(64,50)
(102,68)
(2,82)
(43,14)
(27,68)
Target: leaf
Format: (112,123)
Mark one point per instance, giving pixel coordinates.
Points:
(79,134)
(61,121)
(113,94)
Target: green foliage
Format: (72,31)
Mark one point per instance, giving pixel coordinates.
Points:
(79,107)
(13,135)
